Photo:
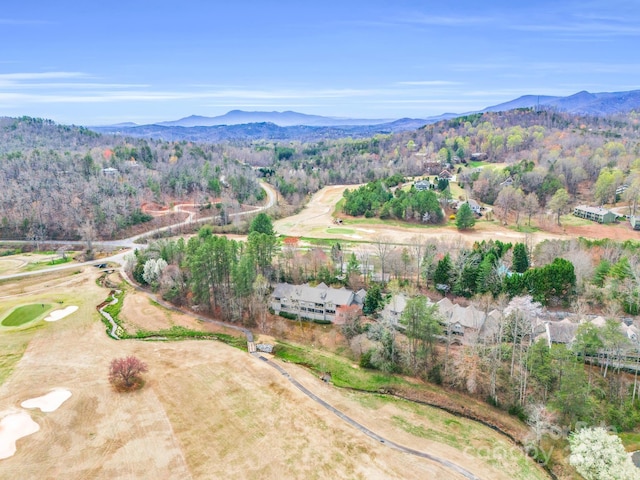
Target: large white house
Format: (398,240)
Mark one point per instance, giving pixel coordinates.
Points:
(315,303)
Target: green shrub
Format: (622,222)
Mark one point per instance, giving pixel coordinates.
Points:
(365,359)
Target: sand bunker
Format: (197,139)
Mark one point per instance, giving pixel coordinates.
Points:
(12,428)
(49,402)
(60,314)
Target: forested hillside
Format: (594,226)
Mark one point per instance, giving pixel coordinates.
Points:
(58,173)
(541,151)
(69,182)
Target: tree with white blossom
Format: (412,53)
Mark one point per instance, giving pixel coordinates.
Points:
(599,455)
(153,269)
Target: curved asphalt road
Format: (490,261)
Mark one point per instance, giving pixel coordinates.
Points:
(130,243)
(446,463)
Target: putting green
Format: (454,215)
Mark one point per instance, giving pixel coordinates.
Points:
(25,314)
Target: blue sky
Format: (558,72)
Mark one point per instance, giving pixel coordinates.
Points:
(105,62)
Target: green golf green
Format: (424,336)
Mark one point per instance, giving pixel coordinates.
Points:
(25,313)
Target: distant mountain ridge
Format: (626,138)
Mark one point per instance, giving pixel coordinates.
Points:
(289,125)
(282,119)
(581,103)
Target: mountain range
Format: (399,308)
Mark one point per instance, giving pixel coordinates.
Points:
(242,125)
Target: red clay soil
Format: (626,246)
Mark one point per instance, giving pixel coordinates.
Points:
(619,232)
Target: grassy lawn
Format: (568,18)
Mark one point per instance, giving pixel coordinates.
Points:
(343,373)
(630,440)
(478,163)
(39,265)
(523,228)
(571,220)
(421,421)
(25,313)
(456,191)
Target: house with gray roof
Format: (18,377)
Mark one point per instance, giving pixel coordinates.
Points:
(314,303)
(596,214)
(394,308)
(473,205)
(458,320)
(422,185)
(563,332)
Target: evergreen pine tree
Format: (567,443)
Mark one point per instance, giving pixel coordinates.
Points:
(465,218)
(442,275)
(520,258)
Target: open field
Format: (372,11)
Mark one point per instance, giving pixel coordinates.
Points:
(207,410)
(316,220)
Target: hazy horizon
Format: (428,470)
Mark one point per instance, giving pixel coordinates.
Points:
(96,64)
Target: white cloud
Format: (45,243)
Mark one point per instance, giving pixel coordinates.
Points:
(429,83)
(40,75)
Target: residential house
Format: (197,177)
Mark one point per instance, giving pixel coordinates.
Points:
(563,332)
(458,320)
(473,205)
(596,214)
(445,174)
(490,329)
(393,310)
(422,185)
(620,190)
(507,182)
(110,171)
(315,303)
(478,156)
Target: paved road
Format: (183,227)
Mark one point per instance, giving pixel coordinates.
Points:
(130,243)
(396,446)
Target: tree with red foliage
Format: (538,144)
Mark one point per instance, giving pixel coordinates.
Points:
(124,373)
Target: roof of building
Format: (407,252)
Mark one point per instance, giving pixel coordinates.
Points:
(594,210)
(491,326)
(468,317)
(562,332)
(318,294)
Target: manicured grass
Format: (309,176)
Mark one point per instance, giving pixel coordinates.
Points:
(343,373)
(25,313)
(477,163)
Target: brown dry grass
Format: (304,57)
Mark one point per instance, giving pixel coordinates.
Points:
(207,410)
(317,216)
